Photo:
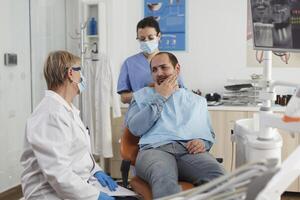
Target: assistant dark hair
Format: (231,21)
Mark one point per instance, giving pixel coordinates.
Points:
(148,22)
(172,58)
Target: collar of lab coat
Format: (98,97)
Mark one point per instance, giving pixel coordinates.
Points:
(61,100)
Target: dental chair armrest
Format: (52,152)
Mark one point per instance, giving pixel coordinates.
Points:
(125,166)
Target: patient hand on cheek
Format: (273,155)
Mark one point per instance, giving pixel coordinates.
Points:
(195,146)
(167,87)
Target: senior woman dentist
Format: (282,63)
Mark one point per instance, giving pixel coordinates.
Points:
(56,159)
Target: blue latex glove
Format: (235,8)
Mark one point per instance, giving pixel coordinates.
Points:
(104,196)
(106,180)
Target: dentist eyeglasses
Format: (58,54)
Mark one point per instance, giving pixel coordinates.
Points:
(76,68)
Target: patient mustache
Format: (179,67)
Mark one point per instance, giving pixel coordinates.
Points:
(161,79)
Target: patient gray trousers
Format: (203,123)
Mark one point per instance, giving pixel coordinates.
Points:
(163,166)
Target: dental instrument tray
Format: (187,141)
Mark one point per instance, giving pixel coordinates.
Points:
(238,87)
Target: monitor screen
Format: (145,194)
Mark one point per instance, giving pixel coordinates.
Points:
(276,24)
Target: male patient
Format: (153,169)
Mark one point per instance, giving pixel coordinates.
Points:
(174,129)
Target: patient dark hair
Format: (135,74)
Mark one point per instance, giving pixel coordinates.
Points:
(171,56)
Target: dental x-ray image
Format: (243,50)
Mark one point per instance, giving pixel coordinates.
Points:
(282,34)
(271,23)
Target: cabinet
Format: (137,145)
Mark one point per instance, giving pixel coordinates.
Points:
(95,40)
(290,143)
(115,162)
(223,122)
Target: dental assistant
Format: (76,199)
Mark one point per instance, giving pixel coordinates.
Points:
(56,159)
(135,71)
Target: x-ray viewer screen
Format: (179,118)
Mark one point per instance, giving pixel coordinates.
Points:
(276,24)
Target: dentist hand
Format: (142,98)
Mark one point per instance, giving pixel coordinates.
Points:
(104,196)
(167,87)
(106,180)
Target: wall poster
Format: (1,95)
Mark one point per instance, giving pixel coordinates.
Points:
(170,15)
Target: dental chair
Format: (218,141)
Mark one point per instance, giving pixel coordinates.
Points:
(129,150)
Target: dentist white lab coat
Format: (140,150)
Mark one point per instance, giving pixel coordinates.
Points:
(56,159)
(98,99)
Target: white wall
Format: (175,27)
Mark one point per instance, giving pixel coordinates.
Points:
(15,96)
(216,42)
(48,33)
(73,13)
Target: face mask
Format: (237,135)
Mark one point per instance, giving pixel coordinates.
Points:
(149,46)
(82,85)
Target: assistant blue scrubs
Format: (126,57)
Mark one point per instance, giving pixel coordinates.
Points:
(135,74)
